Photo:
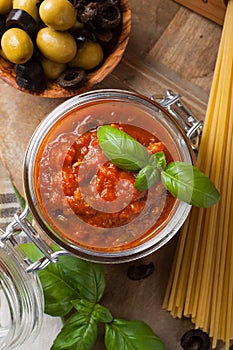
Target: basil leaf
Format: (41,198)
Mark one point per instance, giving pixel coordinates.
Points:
(158,160)
(99,312)
(69,279)
(32,251)
(189,184)
(86,277)
(83,306)
(58,292)
(146,178)
(79,332)
(122,149)
(102,314)
(131,335)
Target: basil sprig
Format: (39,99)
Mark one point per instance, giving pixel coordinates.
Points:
(73,289)
(123,150)
(183,180)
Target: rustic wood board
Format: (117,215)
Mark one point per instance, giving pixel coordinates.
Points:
(169,47)
(213,9)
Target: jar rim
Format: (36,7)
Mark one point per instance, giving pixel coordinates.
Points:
(181,211)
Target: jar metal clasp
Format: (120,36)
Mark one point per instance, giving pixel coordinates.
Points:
(21,223)
(174,105)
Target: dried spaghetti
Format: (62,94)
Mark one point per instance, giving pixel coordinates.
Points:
(201,280)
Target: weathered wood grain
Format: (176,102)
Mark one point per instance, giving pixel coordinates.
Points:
(188,46)
(212,9)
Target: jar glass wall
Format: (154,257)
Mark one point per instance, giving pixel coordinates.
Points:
(21,300)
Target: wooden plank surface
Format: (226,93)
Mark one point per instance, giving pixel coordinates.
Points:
(169,47)
(212,9)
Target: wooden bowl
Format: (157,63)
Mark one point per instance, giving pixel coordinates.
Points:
(54,90)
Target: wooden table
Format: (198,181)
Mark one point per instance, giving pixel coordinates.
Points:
(170,47)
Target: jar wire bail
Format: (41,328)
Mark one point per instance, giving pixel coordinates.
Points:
(21,223)
(174,105)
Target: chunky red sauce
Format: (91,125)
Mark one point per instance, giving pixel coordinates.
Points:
(90,201)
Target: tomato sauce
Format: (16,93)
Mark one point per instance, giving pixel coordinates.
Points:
(88,200)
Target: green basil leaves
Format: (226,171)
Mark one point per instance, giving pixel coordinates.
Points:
(146,177)
(129,335)
(123,150)
(89,277)
(73,289)
(189,184)
(182,180)
(79,332)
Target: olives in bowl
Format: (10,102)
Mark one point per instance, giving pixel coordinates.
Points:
(60,48)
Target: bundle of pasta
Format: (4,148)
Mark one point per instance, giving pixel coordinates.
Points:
(201,280)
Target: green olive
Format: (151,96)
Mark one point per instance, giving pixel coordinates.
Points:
(5,6)
(29,6)
(89,55)
(17,45)
(52,69)
(56,46)
(58,14)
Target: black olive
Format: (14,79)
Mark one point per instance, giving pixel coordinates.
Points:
(30,76)
(85,35)
(86,10)
(29,70)
(111,2)
(138,272)
(21,19)
(72,78)
(195,339)
(82,3)
(104,36)
(2,25)
(31,85)
(108,16)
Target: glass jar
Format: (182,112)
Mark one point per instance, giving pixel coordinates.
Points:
(21,297)
(21,300)
(79,115)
